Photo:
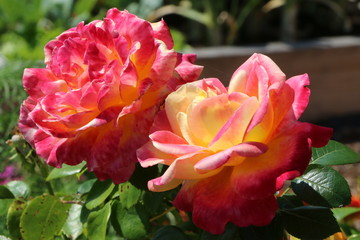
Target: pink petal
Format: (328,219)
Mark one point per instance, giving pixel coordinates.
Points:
(302,93)
(214,161)
(170,143)
(210,85)
(161,122)
(67,62)
(47,147)
(238,82)
(162,32)
(134,30)
(79,120)
(26,125)
(256,60)
(96,61)
(187,70)
(208,116)
(233,130)
(128,82)
(89,95)
(163,67)
(37,115)
(182,168)
(156,185)
(109,92)
(178,102)
(273,111)
(148,156)
(286,176)
(39,82)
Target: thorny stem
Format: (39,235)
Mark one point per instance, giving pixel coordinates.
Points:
(44,171)
(72,202)
(285,191)
(162,214)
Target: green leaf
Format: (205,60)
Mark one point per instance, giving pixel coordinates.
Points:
(170,232)
(354,237)
(84,6)
(86,186)
(334,153)
(43,218)
(130,221)
(4,238)
(73,226)
(129,195)
(309,222)
(13,218)
(19,189)
(64,171)
(4,206)
(84,214)
(113,218)
(323,186)
(98,193)
(341,213)
(154,202)
(97,223)
(5,193)
(348,230)
(289,201)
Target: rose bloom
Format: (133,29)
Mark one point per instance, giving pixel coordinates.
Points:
(100,90)
(233,148)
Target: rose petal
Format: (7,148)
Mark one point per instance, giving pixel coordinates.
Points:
(302,93)
(170,143)
(232,132)
(256,177)
(208,116)
(246,150)
(179,101)
(162,32)
(40,82)
(148,156)
(156,185)
(214,203)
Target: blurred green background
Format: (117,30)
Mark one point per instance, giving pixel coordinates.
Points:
(27,25)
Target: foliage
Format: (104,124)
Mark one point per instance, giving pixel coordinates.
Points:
(12,94)
(102,210)
(212,22)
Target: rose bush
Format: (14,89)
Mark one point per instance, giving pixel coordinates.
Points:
(97,97)
(233,148)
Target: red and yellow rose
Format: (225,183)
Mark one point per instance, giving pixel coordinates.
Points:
(100,90)
(233,148)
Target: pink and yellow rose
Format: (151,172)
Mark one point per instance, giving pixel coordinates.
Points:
(233,148)
(100,90)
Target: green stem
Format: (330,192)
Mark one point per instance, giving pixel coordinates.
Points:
(162,214)
(240,19)
(285,191)
(44,171)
